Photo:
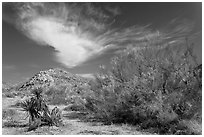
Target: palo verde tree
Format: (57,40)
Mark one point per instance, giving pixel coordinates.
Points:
(151,86)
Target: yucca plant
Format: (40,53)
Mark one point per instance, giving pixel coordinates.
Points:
(38,111)
(30,107)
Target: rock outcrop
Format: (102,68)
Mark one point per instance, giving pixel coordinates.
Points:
(52,77)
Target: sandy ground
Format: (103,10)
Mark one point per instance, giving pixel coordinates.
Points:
(75,123)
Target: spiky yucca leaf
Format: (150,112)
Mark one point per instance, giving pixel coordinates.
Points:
(30,106)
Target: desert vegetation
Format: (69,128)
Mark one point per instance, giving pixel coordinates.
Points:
(38,111)
(135,68)
(158,88)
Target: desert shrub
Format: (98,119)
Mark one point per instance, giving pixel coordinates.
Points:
(56,95)
(150,86)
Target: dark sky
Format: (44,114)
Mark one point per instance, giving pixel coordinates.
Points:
(22,56)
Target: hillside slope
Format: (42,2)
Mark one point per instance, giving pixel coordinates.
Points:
(50,78)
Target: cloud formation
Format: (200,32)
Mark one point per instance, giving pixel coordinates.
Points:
(58,26)
(80,31)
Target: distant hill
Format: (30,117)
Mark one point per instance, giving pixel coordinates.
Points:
(57,77)
(52,77)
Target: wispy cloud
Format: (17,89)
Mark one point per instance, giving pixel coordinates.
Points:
(66,27)
(113,10)
(80,31)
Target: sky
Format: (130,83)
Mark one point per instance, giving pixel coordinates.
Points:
(79,37)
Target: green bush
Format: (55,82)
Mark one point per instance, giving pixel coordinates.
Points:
(151,86)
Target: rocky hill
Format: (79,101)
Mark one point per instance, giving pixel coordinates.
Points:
(52,77)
